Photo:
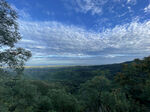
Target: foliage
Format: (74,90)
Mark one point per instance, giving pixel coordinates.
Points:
(90,92)
(127,91)
(9,35)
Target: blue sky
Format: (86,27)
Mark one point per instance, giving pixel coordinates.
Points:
(83,32)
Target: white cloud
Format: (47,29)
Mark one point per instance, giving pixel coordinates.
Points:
(53,38)
(128,1)
(147,9)
(23,14)
(40,47)
(132,2)
(99,7)
(27,41)
(93,6)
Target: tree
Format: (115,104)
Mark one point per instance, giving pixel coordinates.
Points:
(134,81)
(9,36)
(63,101)
(91,90)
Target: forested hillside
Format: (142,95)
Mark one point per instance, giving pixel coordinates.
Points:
(127,90)
(75,73)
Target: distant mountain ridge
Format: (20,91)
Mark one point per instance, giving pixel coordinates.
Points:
(72,73)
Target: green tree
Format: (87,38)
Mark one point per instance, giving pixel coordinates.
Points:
(20,96)
(116,101)
(9,36)
(63,101)
(90,92)
(134,81)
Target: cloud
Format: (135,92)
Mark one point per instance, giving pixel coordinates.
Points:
(22,13)
(147,9)
(99,7)
(57,39)
(27,41)
(92,6)
(50,41)
(132,2)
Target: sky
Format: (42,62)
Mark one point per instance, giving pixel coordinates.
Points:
(83,32)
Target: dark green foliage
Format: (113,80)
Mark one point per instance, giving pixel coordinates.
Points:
(8,25)
(115,102)
(77,73)
(63,101)
(9,35)
(134,81)
(25,96)
(128,91)
(72,77)
(90,92)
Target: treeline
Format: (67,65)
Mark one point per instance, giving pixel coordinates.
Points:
(75,75)
(126,91)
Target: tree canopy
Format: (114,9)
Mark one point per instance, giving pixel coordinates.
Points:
(10,55)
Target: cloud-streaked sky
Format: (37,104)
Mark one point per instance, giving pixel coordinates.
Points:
(84,32)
